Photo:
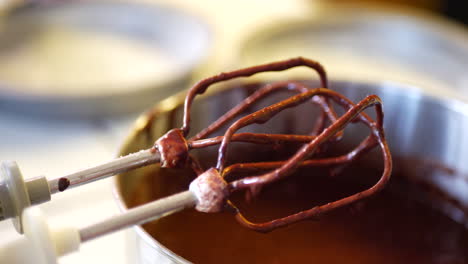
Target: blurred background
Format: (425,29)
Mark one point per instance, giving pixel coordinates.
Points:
(75,75)
(450,8)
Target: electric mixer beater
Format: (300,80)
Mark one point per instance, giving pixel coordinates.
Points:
(210,191)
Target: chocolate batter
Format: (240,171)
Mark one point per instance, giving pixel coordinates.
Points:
(392,226)
(63,184)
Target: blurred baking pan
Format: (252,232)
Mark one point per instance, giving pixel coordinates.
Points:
(371,44)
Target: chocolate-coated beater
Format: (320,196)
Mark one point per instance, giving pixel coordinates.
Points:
(171,150)
(210,191)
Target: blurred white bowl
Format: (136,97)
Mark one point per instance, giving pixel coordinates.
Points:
(93,58)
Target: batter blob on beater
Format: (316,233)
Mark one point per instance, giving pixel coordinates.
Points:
(213,187)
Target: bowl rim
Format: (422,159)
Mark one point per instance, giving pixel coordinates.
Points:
(451,103)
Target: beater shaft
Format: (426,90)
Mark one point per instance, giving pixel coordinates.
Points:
(140,215)
(113,167)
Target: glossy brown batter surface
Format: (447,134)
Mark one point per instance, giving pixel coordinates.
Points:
(391,227)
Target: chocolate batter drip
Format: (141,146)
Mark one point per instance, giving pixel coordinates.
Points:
(63,184)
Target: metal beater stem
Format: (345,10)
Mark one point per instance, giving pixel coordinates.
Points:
(140,215)
(113,167)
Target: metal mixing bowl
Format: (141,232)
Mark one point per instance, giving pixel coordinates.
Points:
(416,124)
